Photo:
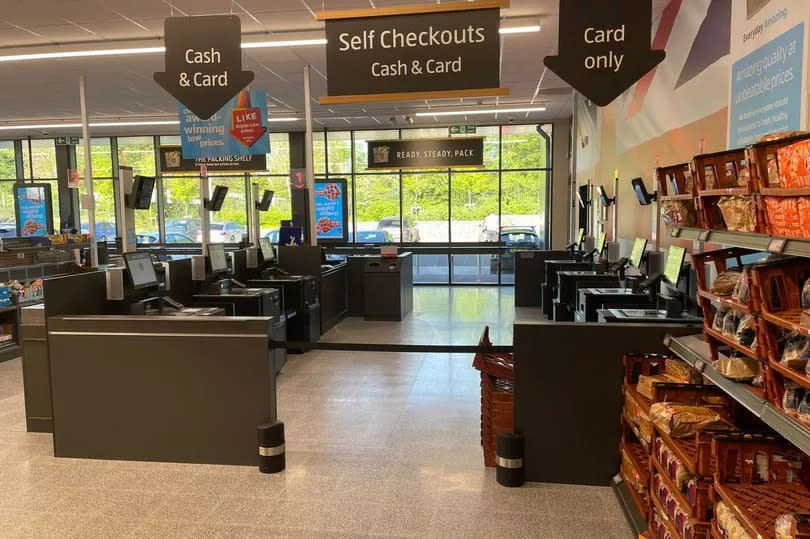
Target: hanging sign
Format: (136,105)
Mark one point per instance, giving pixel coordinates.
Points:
(203,62)
(74,179)
(426,153)
(172,161)
(238,128)
(402,53)
(604,47)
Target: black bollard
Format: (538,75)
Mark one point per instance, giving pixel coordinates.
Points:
(509,459)
(271,447)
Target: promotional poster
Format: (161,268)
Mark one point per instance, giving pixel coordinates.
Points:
(239,128)
(330,210)
(33,210)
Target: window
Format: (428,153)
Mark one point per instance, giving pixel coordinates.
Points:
(43,158)
(280,207)
(230,223)
(138,153)
(104,195)
(101,153)
(523,147)
(8,167)
(474,206)
(278,160)
(377,203)
(8,221)
(425,204)
(361,139)
(340,152)
(319,153)
(181,198)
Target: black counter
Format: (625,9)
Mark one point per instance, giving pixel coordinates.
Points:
(593,299)
(401,294)
(530,274)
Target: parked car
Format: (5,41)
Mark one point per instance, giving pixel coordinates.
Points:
(104,229)
(514,237)
(228,232)
(272,235)
(190,226)
(391,225)
(171,237)
(8,230)
(372,236)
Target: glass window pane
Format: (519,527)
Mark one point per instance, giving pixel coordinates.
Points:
(474,201)
(138,153)
(524,147)
(43,154)
(230,223)
(181,196)
(340,152)
(8,169)
(319,152)
(377,204)
(278,160)
(523,220)
(280,208)
(491,136)
(474,268)
(431,269)
(361,139)
(424,133)
(425,208)
(101,153)
(8,221)
(105,208)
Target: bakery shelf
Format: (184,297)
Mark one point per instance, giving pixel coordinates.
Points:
(659,506)
(746,502)
(731,191)
(629,504)
(789,320)
(726,302)
(786,192)
(679,496)
(745,240)
(713,333)
(643,402)
(695,352)
(686,196)
(637,454)
(797,376)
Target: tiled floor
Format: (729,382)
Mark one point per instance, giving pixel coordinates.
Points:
(377,445)
(441,315)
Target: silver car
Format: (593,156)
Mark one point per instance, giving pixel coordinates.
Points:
(410,234)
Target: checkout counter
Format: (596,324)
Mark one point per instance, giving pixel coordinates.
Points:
(568,285)
(187,384)
(390,279)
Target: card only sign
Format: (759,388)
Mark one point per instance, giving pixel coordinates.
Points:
(172,161)
(426,153)
(412,53)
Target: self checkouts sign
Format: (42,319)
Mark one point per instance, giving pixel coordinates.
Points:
(604,47)
(203,62)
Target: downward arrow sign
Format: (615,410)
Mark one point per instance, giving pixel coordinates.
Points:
(203,62)
(604,47)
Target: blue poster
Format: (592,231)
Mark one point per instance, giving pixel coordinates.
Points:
(766,89)
(238,128)
(330,201)
(32,208)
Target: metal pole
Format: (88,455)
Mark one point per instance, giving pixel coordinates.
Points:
(310,166)
(573,215)
(88,178)
(204,224)
(616,208)
(254,210)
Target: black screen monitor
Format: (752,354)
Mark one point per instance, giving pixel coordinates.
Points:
(140,269)
(140,198)
(639,246)
(644,197)
(268,254)
(672,268)
(600,243)
(215,204)
(267,199)
(580,235)
(216,258)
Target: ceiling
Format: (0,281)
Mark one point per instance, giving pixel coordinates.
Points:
(122,88)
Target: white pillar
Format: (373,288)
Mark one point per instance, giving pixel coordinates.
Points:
(204,213)
(254,212)
(88,179)
(310,166)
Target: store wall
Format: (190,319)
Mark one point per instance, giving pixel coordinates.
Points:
(744,60)
(560,184)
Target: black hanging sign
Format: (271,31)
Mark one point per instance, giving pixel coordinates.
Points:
(203,62)
(172,162)
(413,52)
(604,47)
(426,153)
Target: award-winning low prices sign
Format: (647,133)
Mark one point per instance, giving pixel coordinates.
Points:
(238,128)
(380,54)
(331,215)
(426,153)
(203,62)
(604,47)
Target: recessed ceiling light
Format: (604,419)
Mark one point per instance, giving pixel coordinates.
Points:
(520,29)
(480,111)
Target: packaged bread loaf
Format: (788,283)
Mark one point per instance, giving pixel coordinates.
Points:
(681,372)
(725,283)
(738,212)
(741,292)
(788,526)
(747,331)
(737,367)
(794,165)
(684,421)
(645,384)
(730,323)
(728,523)
(679,213)
(796,352)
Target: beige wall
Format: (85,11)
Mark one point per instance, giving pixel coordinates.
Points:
(559,182)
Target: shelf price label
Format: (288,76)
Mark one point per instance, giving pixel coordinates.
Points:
(777,245)
(675,232)
(703,236)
